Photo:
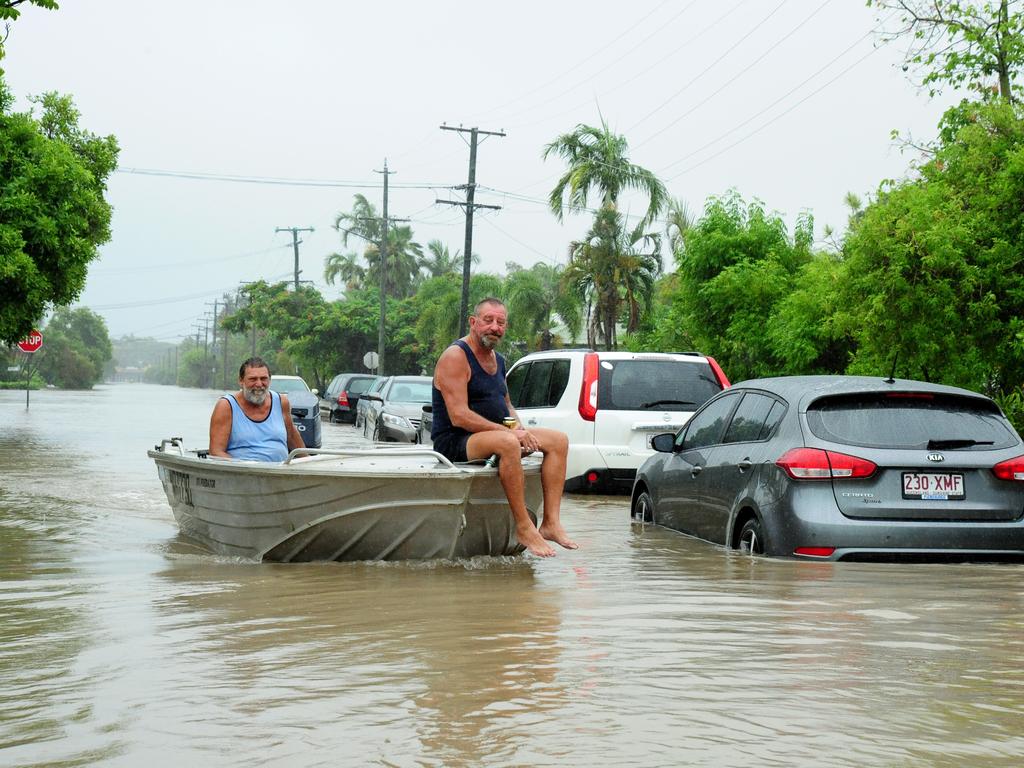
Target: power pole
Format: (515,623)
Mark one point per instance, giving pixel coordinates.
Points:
(470,206)
(295,246)
(213,345)
(383,246)
(224,367)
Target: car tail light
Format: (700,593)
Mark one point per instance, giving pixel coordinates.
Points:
(1011,469)
(814,551)
(343,398)
(588,392)
(817,464)
(719,373)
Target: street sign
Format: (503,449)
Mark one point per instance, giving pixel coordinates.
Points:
(32,342)
(370,360)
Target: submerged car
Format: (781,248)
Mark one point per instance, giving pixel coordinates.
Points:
(341,398)
(305,407)
(363,405)
(842,468)
(393,413)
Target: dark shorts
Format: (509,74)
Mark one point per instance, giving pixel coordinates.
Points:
(452,445)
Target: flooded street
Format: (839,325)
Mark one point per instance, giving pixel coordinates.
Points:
(123,644)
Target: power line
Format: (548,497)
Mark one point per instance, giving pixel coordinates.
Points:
(238,179)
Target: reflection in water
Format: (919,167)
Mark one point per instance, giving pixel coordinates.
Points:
(123,644)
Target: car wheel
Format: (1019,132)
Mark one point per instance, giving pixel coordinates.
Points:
(643,508)
(752,539)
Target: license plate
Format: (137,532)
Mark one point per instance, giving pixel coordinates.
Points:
(933,486)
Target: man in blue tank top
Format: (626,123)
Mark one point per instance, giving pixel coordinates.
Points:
(470,400)
(254,423)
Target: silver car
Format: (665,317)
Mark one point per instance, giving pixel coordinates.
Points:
(393,413)
(842,468)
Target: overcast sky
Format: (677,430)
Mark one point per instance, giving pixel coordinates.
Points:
(787,101)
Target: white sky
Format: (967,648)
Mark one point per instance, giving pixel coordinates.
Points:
(787,101)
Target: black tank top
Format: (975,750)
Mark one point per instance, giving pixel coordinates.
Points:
(486,395)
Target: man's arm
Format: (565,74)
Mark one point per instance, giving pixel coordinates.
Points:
(451,377)
(220,429)
(294,438)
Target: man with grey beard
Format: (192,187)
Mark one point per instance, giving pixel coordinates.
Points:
(470,407)
(254,423)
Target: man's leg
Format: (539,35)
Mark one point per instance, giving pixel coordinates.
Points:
(555,447)
(510,472)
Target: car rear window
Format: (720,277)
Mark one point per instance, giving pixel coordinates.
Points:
(664,385)
(911,420)
(358,386)
(539,384)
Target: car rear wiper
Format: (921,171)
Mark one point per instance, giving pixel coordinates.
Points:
(955,443)
(667,402)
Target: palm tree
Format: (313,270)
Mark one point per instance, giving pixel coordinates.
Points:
(597,162)
(346,268)
(612,267)
(536,296)
(404,253)
(677,222)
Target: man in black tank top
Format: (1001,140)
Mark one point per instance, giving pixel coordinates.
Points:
(469,401)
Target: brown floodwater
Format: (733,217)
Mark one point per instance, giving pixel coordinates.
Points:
(124,644)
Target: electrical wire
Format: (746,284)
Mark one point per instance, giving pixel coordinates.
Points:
(277,181)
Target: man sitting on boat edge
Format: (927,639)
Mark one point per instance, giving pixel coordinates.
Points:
(250,425)
(470,401)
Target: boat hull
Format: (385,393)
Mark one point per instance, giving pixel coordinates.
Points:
(363,505)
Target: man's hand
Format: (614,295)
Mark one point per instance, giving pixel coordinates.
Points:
(527,440)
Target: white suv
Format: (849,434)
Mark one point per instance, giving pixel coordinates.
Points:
(610,404)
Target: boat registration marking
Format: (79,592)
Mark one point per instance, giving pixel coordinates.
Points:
(179,486)
(206,482)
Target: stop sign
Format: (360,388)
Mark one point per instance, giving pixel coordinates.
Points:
(32,342)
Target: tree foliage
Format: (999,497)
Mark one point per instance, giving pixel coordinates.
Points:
(978,45)
(53,214)
(76,348)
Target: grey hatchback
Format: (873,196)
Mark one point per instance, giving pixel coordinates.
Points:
(842,468)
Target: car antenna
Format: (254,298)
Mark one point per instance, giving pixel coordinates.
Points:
(892,373)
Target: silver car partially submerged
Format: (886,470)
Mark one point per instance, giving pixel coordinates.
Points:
(842,467)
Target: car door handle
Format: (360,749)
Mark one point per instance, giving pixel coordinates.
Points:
(531,421)
(696,470)
(744,465)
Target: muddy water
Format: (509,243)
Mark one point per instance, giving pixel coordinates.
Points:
(122,644)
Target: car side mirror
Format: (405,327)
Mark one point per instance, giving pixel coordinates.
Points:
(376,397)
(664,443)
(315,391)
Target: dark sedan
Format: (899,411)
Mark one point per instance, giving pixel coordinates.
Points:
(341,398)
(842,467)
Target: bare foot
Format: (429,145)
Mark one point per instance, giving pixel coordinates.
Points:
(557,534)
(530,538)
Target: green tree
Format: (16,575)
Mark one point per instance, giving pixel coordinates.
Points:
(613,269)
(932,270)
(737,266)
(404,254)
(439,260)
(956,43)
(598,163)
(52,211)
(76,348)
(536,297)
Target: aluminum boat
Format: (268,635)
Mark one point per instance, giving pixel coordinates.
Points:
(342,504)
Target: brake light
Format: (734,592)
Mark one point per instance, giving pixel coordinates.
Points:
(818,464)
(814,551)
(588,392)
(909,396)
(343,398)
(1011,469)
(719,373)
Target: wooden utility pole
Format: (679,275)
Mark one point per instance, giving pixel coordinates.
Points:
(383,272)
(470,206)
(295,246)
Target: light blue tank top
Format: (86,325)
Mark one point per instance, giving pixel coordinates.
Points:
(258,440)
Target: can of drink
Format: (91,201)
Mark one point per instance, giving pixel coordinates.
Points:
(509,422)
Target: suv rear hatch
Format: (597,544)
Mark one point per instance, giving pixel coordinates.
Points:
(933,455)
(641,396)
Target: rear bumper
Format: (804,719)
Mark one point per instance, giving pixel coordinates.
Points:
(589,469)
(818,525)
